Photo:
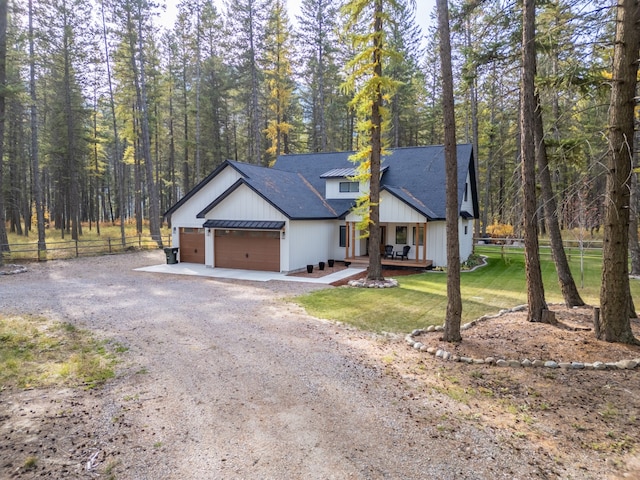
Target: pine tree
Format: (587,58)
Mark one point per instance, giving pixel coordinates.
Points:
(278,78)
(370,88)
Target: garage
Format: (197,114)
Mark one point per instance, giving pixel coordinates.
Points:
(192,245)
(246,245)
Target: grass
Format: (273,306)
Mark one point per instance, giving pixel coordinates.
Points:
(421,299)
(35,352)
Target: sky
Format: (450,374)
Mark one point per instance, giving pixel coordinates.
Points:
(424,8)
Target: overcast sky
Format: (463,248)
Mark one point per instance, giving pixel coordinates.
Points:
(424,8)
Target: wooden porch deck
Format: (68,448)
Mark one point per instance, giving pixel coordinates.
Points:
(363,262)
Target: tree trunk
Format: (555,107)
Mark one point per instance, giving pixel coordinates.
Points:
(141,100)
(37,184)
(615,298)
(634,244)
(565,278)
(4,240)
(117,161)
(454,299)
(535,288)
(375,263)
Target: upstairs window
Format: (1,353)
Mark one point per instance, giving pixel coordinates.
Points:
(349,187)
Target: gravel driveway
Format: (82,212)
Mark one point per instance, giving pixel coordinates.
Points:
(226,380)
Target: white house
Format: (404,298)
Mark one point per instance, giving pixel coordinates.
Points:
(299,211)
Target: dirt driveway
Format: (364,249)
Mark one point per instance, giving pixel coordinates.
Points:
(226,380)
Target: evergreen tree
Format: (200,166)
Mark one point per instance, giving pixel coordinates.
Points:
(370,87)
(279,82)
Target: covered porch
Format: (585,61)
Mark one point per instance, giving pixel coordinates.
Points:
(398,236)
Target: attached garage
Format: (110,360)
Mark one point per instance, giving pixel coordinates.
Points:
(192,245)
(246,245)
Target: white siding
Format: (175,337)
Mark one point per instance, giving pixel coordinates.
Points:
(185,216)
(437,241)
(332,189)
(312,242)
(466,238)
(467,205)
(245,204)
(394,210)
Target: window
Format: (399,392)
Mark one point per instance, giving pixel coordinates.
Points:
(349,187)
(401,235)
(419,237)
(466,228)
(466,192)
(343,235)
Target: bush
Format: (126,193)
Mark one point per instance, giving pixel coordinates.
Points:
(500,230)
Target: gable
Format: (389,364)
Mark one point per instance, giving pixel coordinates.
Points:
(242,203)
(200,196)
(296,187)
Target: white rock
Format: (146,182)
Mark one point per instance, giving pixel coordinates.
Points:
(550,364)
(627,364)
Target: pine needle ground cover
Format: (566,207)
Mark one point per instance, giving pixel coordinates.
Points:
(421,300)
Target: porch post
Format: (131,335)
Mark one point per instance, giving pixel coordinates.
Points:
(416,240)
(424,243)
(347,240)
(353,243)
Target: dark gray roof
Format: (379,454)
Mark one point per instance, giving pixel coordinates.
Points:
(247,225)
(416,175)
(296,184)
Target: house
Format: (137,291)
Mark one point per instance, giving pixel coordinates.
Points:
(299,211)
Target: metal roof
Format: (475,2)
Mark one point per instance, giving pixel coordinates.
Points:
(346,172)
(244,224)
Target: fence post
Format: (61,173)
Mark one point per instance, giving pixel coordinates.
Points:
(77,252)
(109,240)
(139,240)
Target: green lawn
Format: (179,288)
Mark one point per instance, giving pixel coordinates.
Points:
(421,299)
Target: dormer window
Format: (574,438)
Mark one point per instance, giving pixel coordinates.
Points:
(349,187)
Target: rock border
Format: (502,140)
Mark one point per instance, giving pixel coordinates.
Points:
(12,269)
(364,283)
(629,364)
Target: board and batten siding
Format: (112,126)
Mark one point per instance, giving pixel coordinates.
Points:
(437,241)
(245,204)
(186,215)
(467,204)
(311,242)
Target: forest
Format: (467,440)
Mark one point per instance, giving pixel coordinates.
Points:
(112,117)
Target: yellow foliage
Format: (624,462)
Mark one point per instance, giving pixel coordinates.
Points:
(500,230)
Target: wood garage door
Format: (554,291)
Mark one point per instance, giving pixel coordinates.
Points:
(248,249)
(192,245)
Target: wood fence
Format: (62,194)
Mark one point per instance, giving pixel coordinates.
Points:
(26,252)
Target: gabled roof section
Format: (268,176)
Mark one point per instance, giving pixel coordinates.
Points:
(295,186)
(288,192)
(416,175)
(196,189)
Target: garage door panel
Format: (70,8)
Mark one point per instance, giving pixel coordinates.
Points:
(248,250)
(192,245)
